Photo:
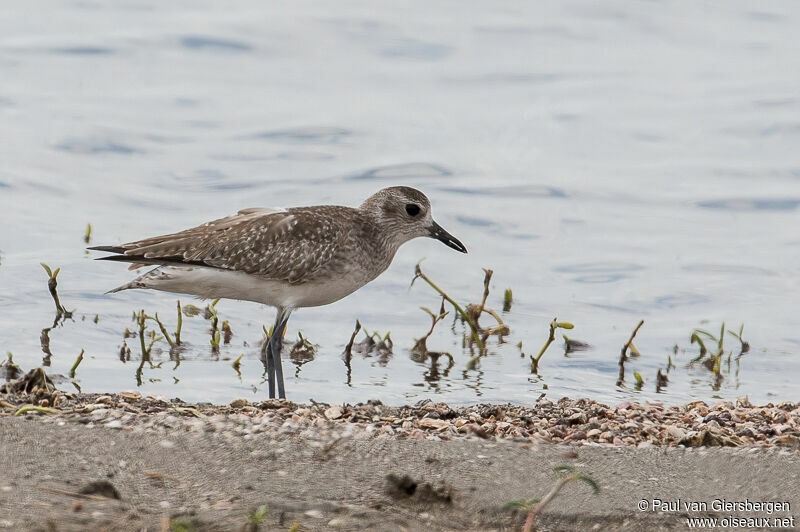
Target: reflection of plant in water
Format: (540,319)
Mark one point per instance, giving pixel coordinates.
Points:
(373,344)
(10,368)
(61,313)
(237,366)
(571,345)
(44,340)
(149,337)
(419,352)
(302,352)
(661,380)
(473,379)
(434,374)
(711,357)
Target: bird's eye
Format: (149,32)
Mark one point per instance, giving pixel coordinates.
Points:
(412,209)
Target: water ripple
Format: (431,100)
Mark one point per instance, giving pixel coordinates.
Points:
(304,156)
(202,42)
(599,272)
(476,222)
(94,146)
(207,179)
(415,49)
(760,204)
(407,170)
(305,135)
(83,50)
(727,268)
(527,191)
(680,300)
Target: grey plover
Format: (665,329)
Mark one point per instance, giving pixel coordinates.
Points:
(285,258)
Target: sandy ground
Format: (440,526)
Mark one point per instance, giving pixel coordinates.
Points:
(203,480)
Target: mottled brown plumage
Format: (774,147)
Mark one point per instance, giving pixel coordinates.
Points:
(287,258)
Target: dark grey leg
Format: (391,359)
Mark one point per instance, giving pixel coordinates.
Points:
(270,370)
(275,368)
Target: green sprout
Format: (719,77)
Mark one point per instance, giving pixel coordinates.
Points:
(211,314)
(140,319)
(420,346)
(256,516)
(227,333)
(33,408)
(521,504)
(52,286)
(12,370)
(555,324)
(507,300)
(163,330)
(75,365)
(714,361)
(745,346)
(182,525)
(639,380)
(179,326)
(476,337)
(534,507)
(623,356)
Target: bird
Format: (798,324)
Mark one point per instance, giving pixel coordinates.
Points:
(284,258)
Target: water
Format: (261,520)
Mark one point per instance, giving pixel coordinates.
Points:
(610,162)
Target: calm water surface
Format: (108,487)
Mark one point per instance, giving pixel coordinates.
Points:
(610,163)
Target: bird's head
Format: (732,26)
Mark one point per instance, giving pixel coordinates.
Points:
(405,213)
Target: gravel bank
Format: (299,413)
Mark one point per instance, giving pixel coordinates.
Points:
(574,422)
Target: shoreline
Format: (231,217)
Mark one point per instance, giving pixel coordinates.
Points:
(373,467)
(566,421)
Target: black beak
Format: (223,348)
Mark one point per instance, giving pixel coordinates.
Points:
(439,233)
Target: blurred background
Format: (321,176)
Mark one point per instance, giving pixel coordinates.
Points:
(610,162)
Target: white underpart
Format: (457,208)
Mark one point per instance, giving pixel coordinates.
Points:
(212,283)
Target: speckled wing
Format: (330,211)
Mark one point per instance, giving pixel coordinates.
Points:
(288,245)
